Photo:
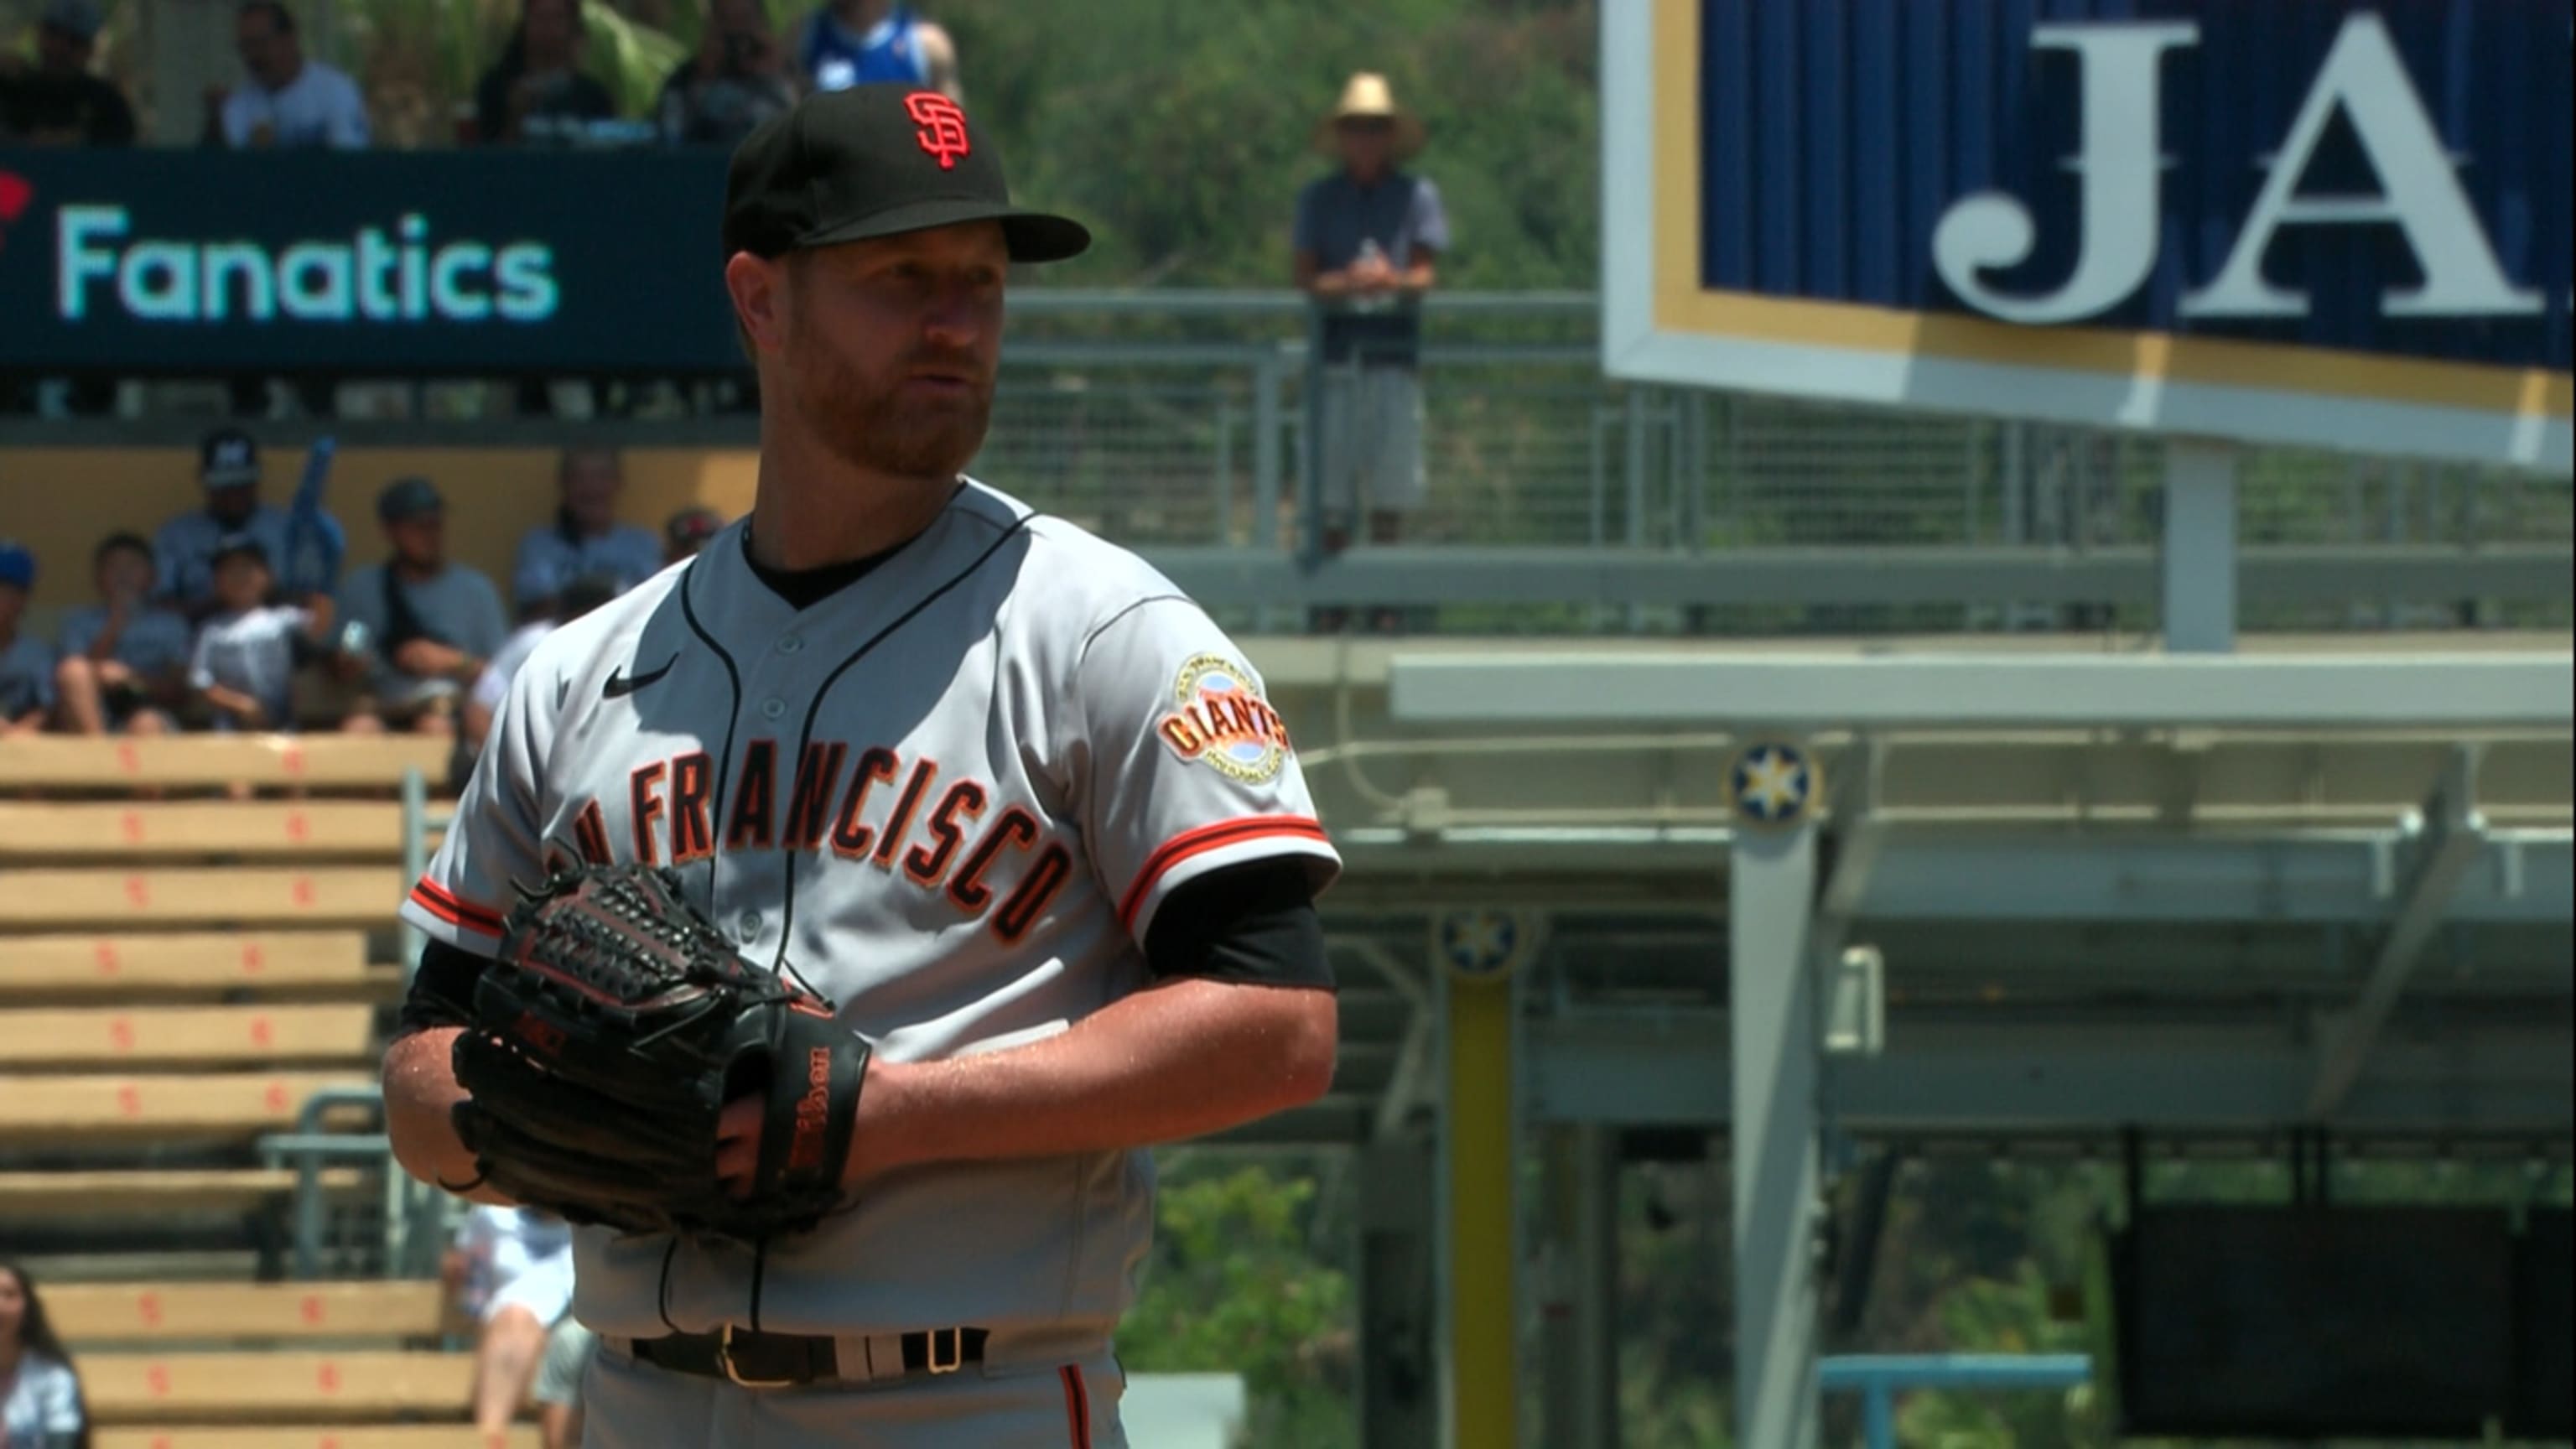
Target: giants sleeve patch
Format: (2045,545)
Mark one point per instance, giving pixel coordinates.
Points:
(1219,719)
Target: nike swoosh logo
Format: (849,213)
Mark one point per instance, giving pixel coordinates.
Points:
(622,684)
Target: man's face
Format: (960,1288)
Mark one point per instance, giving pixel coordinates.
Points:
(590,486)
(1366,143)
(124,573)
(420,541)
(269,54)
(233,503)
(60,52)
(892,345)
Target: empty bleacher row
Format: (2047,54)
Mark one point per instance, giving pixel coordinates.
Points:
(181,972)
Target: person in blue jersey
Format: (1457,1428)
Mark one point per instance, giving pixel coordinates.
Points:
(854,42)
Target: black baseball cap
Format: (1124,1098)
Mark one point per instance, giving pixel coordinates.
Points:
(409,498)
(876,160)
(228,458)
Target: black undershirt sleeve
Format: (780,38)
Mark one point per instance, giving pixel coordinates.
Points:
(442,989)
(1253,923)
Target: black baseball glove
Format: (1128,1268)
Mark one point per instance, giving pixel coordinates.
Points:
(608,1035)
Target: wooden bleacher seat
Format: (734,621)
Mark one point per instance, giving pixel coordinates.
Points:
(57,762)
(199,1388)
(308,1436)
(157,1194)
(134,1313)
(130,966)
(348,895)
(137,830)
(186,1035)
(229,1106)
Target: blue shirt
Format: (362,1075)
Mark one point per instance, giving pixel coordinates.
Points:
(1335,216)
(549,560)
(834,58)
(155,641)
(43,1410)
(26,677)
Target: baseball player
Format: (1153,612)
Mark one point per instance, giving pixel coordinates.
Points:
(992,789)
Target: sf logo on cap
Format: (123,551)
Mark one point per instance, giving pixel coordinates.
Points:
(943,127)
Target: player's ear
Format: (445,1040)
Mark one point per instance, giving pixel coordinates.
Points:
(758,286)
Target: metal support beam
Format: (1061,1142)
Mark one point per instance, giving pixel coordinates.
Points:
(2199,564)
(1778,1177)
(2443,839)
(1478,1208)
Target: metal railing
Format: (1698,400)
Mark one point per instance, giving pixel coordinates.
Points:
(1879,1378)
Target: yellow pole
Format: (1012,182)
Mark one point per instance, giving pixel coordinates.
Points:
(1482,1315)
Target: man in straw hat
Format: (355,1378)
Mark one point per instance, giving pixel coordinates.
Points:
(1368,238)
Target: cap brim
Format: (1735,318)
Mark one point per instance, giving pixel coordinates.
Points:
(1033,236)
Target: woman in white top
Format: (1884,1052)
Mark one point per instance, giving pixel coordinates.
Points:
(40,1399)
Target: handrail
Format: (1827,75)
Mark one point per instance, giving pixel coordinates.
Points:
(308,1145)
(1878,1378)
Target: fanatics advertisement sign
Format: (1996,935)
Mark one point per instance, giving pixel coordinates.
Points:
(2339,222)
(379,264)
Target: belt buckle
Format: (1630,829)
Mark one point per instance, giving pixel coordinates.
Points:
(724,1360)
(956,1358)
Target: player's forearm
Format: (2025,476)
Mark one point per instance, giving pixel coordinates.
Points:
(1181,1060)
(420,1102)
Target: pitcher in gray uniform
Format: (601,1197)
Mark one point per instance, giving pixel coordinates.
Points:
(991,785)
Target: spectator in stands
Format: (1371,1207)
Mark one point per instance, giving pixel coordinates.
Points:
(1367,241)
(688,532)
(558,1388)
(854,42)
(538,91)
(228,468)
(26,665)
(511,1271)
(60,103)
(578,598)
(585,537)
(737,80)
(291,103)
(124,659)
(40,1392)
(242,670)
(433,623)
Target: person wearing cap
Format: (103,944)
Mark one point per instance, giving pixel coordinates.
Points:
(228,467)
(432,624)
(1368,239)
(26,665)
(124,658)
(584,536)
(242,669)
(288,101)
(688,531)
(1068,928)
(60,102)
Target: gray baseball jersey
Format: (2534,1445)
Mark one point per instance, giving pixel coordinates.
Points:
(951,797)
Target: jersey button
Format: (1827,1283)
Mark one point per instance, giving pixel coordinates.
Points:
(772,708)
(790,644)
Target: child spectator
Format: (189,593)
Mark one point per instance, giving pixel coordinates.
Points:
(538,91)
(40,1392)
(434,623)
(26,665)
(585,537)
(124,659)
(243,670)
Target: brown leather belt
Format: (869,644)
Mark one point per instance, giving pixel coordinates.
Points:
(785,1360)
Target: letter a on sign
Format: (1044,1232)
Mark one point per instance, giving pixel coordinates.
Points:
(2419,191)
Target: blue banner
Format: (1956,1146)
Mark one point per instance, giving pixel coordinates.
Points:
(378,263)
(2389,178)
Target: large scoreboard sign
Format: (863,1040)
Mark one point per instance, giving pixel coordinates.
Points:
(2333,222)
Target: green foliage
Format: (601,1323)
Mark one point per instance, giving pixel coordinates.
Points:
(1236,1286)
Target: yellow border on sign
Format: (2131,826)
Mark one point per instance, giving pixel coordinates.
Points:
(1682,305)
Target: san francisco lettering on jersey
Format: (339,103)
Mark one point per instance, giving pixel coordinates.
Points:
(866,806)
